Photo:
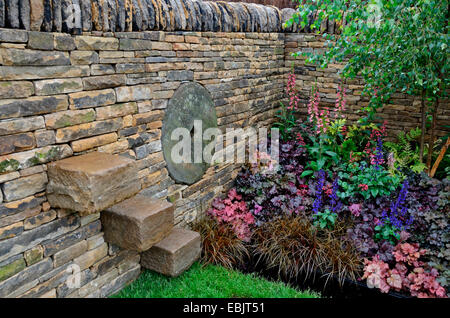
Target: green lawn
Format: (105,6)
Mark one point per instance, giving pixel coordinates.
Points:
(208,282)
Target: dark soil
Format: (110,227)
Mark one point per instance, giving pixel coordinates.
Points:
(327,287)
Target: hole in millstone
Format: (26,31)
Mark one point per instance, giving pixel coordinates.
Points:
(192,143)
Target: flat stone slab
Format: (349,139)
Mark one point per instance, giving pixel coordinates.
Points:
(138,223)
(92,182)
(174,254)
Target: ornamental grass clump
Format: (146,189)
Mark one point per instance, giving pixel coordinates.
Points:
(220,244)
(296,247)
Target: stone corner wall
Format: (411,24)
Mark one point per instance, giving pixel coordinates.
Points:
(401,114)
(63,95)
(71,86)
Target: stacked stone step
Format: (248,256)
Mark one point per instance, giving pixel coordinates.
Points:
(146,225)
(97,182)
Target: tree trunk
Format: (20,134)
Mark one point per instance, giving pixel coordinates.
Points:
(422,136)
(440,157)
(433,128)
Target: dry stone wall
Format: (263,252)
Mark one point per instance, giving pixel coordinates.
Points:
(102,82)
(62,95)
(76,16)
(401,114)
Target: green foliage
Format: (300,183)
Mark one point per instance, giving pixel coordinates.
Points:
(394,45)
(406,151)
(286,122)
(208,282)
(43,157)
(325,219)
(387,231)
(322,154)
(355,176)
(9,165)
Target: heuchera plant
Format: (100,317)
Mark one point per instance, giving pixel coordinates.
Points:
(233,211)
(408,274)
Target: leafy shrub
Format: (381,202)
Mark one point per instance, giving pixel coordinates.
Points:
(220,244)
(295,246)
(367,181)
(325,219)
(406,151)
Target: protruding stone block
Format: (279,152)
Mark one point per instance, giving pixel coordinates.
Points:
(174,254)
(92,182)
(138,223)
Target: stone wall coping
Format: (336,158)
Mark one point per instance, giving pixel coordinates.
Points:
(78,16)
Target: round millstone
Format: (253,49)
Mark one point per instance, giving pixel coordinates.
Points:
(191,101)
